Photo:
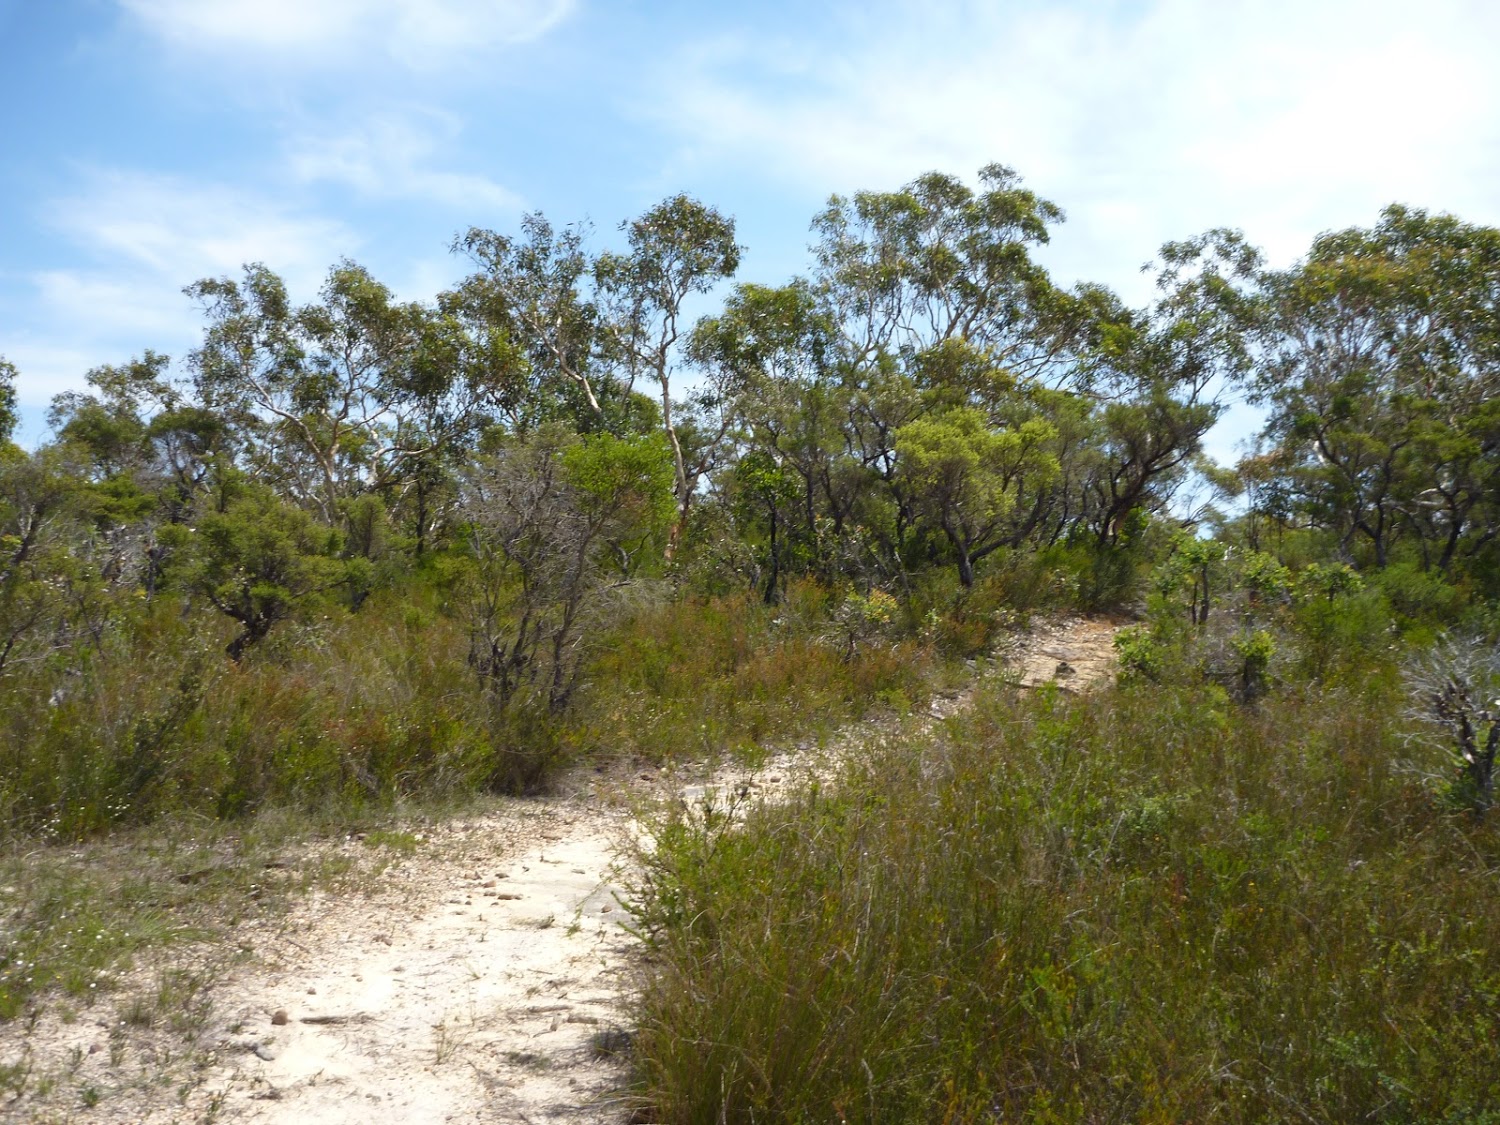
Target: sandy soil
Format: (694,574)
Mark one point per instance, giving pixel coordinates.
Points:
(477,978)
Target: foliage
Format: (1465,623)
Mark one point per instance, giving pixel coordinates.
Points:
(551,517)
(1129,907)
(358,552)
(7,400)
(259,560)
(1380,379)
(966,476)
(901,454)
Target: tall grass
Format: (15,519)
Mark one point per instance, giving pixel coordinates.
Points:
(1149,905)
(157,741)
(706,676)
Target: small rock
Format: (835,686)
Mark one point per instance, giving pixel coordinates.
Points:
(312,991)
(264,1053)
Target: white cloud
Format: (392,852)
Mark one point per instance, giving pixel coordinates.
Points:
(177,231)
(112,304)
(417,33)
(390,159)
(143,238)
(1146,122)
(47,370)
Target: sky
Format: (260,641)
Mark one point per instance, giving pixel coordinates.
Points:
(145,144)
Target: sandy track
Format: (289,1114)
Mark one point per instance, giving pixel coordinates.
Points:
(478,978)
(477,990)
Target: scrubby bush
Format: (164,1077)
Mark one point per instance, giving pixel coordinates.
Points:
(1142,905)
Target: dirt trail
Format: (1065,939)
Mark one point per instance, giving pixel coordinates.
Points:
(477,978)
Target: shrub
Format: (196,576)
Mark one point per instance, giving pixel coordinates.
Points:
(1137,905)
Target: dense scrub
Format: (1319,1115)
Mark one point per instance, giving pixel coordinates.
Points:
(354,711)
(1149,904)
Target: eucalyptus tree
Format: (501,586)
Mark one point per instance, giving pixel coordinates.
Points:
(1382,375)
(1163,374)
(908,270)
(339,396)
(8,418)
(142,453)
(940,306)
(677,250)
(966,475)
(108,424)
(533,297)
(769,361)
(139,432)
(1043,498)
(37,531)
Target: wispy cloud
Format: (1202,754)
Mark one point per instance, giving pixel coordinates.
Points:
(107,303)
(142,238)
(179,230)
(418,33)
(391,157)
(47,370)
(1145,121)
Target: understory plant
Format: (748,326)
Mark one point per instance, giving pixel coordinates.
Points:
(1147,904)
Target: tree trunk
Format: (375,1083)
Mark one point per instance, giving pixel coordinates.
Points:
(965,567)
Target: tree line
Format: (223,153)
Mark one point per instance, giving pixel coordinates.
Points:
(926,399)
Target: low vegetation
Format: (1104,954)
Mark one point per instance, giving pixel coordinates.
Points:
(1147,904)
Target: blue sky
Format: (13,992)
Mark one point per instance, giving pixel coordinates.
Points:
(147,143)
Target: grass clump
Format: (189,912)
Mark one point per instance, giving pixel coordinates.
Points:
(1147,905)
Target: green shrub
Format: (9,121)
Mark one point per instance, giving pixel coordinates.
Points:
(1143,905)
